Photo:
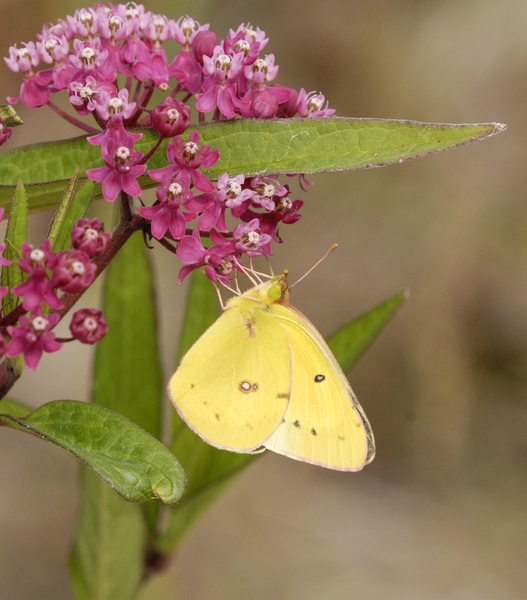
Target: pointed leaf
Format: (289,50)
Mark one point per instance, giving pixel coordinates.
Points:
(128,377)
(107,560)
(251,147)
(14,408)
(12,275)
(62,209)
(134,463)
(76,209)
(351,340)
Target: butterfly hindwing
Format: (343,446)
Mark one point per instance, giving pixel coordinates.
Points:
(324,423)
(232,387)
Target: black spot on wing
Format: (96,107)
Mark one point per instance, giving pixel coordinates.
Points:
(319,378)
(297,424)
(313,431)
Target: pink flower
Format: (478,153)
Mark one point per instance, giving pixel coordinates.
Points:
(114,107)
(168,214)
(265,190)
(38,287)
(156,68)
(248,239)
(73,272)
(121,171)
(186,69)
(88,325)
(310,105)
(220,88)
(188,158)
(32,337)
(84,93)
(90,237)
(219,260)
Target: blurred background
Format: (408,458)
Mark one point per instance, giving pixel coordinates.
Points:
(442,510)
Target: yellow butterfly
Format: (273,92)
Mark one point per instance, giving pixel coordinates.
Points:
(263,377)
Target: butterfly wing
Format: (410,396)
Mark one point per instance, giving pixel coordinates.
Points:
(324,424)
(232,387)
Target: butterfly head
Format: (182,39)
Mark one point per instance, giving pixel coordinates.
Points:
(277,290)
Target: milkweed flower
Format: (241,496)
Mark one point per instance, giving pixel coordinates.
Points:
(32,337)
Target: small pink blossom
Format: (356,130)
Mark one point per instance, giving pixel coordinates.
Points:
(121,171)
(38,287)
(90,237)
(188,158)
(32,337)
(167,214)
(88,325)
(73,272)
(249,239)
(311,105)
(219,260)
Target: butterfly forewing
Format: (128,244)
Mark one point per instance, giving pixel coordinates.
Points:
(324,423)
(232,387)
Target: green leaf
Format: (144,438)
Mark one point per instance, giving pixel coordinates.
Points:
(135,464)
(128,377)
(14,408)
(107,560)
(208,469)
(251,147)
(62,209)
(76,209)
(351,340)
(12,275)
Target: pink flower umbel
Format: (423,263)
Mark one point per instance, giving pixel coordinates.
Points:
(33,337)
(88,325)
(121,170)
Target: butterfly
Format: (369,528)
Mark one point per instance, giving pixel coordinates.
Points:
(262,377)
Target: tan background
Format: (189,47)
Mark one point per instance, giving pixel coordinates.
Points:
(442,511)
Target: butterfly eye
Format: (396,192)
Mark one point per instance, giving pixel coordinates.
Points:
(275,292)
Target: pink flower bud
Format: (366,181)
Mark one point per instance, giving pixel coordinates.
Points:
(170,118)
(264,105)
(88,325)
(204,43)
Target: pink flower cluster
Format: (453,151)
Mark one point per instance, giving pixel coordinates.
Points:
(70,271)
(87,54)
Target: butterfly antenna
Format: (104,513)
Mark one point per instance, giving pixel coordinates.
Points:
(334,247)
